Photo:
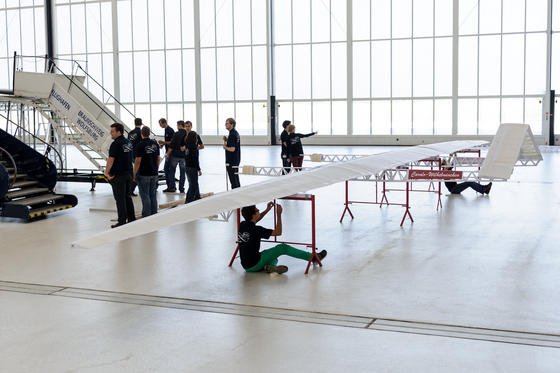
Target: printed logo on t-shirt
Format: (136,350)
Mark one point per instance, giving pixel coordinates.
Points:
(127,147)
(151,149)
(244,236)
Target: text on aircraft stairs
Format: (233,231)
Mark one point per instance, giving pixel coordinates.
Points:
(76,114)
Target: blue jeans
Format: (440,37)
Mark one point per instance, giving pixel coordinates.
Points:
(170,181)
(147,187)
(173,162)
(193,193)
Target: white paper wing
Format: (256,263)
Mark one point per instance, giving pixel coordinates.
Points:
(275,188)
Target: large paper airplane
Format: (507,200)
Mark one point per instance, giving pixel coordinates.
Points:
(276,188)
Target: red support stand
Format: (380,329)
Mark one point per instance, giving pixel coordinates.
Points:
(295,197)
(434,163)
(384,194)
(346,204)
(407,212)
(439,204)
(314,256)
(238,216)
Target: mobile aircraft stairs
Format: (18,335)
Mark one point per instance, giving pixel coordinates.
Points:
(27,182)
(79,118)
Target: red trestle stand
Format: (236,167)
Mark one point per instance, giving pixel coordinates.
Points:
(312,244)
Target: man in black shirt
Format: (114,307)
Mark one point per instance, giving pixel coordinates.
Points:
(176,156)
(232,146)
(119,173)
(249,238)
(284,154)
(456,188)
(188,128)
(135,137)
(167,136)
(146,166)
(192,166)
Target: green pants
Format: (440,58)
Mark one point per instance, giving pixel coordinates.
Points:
(270,256)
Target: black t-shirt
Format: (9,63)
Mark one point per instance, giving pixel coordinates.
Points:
(148,150)
(249,238)
(121,151)
(450,185)
(294,143)
(191,156)
(284,140)
(233,158)
(168,135)
(134,137)
(177,142)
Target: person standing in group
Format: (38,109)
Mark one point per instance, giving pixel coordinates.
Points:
(192,166)
(232,146)
(188,128)
(119,173)
(135,137)
(145,171)
(176,156)
(167,136)
(295,149)
(284,153)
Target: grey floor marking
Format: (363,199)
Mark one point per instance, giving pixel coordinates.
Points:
(342,320)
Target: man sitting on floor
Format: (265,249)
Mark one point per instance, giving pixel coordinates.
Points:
(457,188)
(249,239)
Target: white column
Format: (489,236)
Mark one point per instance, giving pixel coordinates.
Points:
(547,99)
(116,71)
(455,82)
(349,69)
(198,86)
(270,67)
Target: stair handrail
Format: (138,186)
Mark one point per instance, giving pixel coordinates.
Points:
(71,80)
(48,146)
(50,67)
(106,91)
(77,64)
(103,88)
(10,184)
(53,67)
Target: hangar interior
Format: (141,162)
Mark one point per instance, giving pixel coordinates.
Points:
(468,285)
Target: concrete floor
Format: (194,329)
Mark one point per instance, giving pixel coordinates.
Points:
(472,287)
